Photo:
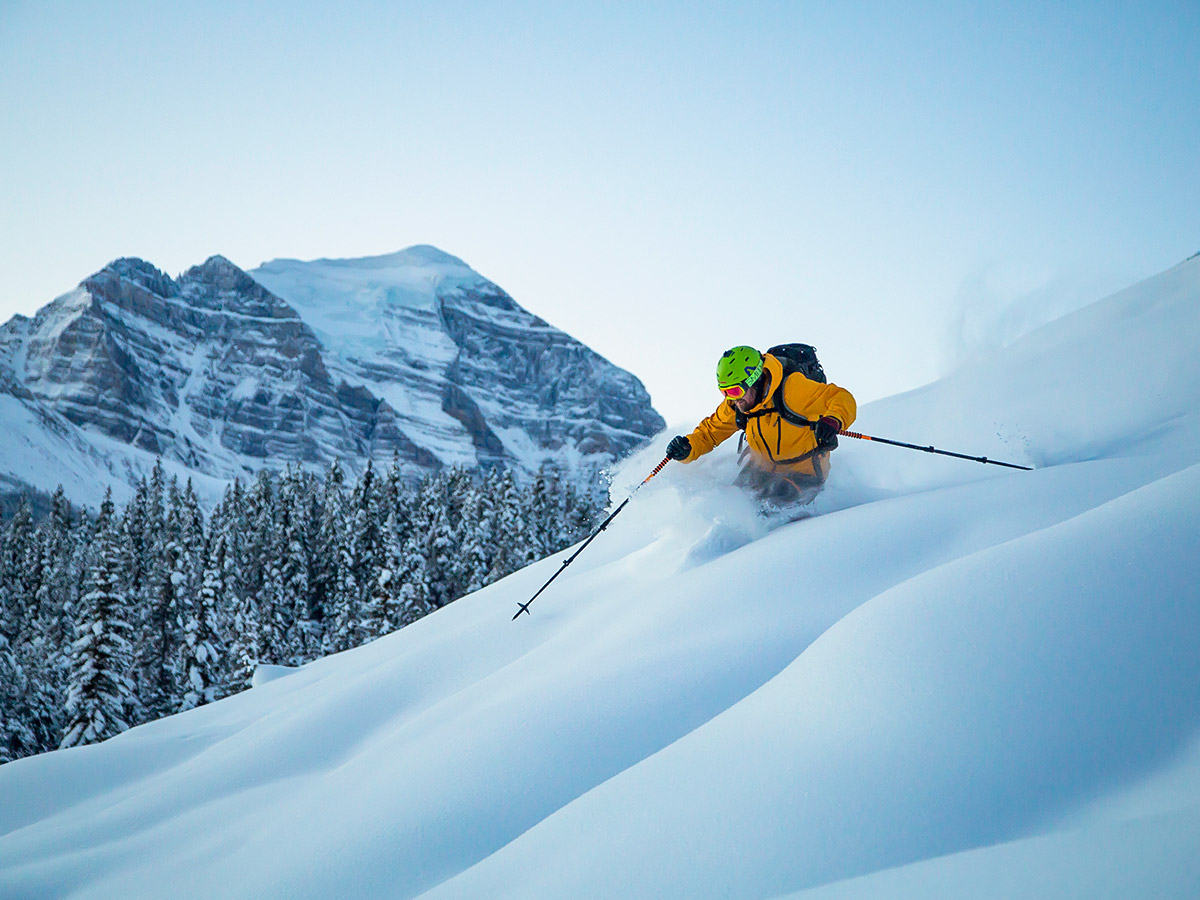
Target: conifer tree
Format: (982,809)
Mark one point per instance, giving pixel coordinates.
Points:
(100,689)
(359,569)
(18,585)
(17,736)
(57,547)
(199,656)
(239,615)
(159,644)
(509,543)
(45,653)
(543,522)
(382,612)
(272,611)
(296,564)
(327,575)
(366,528)
(342,601)
(476,539)
(229,525)
(390,499)
(436,529)
(413,591)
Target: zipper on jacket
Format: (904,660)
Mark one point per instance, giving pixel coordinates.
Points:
(762,437)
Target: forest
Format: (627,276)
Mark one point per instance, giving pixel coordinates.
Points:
(110,618)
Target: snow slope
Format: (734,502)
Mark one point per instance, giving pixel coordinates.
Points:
(958,681)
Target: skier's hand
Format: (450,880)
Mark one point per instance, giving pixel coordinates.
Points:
(826,431)
(680,448)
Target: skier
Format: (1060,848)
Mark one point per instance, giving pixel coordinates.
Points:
(789,423)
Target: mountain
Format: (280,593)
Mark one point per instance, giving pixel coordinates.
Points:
(220,374)
(955,681)
(473,377)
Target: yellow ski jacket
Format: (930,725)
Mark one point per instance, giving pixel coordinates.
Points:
(775,444)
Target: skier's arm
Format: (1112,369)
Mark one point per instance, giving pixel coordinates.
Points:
(714,429)
(811,399)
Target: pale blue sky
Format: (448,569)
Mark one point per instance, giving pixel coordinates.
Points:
(660,180)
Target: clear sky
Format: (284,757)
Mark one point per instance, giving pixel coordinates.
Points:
(892,182)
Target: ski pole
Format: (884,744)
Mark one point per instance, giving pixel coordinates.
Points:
(524,607)
(978,459)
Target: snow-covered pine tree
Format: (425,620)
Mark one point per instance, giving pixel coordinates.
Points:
(159,643)
(363,551)
(392,492)
(192,532)
(475,538)
(382,611)
(413,592)
(17,737)
(29,686)
(100,689)
(228,521)
(191,619)
(57,546)
(297,564)
(543,522)
(142,549)
(236,613)
(509,541)
(330,553)
(435,525)
(199,652)
(46,652)
(367,527)
(273,612)
(18,585)
(313,623)
(138,540)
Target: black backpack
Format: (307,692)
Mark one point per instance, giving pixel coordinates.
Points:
(800,358)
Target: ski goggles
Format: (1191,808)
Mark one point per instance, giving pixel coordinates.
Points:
(735,391)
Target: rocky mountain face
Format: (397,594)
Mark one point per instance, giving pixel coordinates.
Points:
(221,373)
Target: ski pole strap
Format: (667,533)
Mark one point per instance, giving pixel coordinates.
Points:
(978,459)
(524,607)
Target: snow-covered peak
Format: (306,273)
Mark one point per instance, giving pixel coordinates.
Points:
(348,301)
(410,277)
(418,255)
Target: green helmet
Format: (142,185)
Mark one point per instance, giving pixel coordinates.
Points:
(741,365)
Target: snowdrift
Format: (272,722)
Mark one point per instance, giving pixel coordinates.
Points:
(956,681)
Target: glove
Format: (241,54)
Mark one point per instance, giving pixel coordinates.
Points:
(826,431)
(680,448)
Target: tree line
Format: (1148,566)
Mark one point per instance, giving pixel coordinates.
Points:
(110,618)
